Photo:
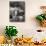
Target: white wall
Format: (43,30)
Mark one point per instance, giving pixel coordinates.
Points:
(32,8)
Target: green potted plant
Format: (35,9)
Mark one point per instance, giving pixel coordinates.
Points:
(10,31)
(42,19)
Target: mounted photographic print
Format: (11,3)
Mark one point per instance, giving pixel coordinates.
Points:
(17,11)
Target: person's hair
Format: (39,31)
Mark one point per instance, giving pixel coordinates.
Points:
(42,7)
(14,4)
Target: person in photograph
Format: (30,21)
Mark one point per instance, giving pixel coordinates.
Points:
(16,13)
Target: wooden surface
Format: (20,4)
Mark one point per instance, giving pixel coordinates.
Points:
(30,45)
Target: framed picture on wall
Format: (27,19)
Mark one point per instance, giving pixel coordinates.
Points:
(17,11)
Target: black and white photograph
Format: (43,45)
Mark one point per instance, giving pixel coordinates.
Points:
(17,11)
